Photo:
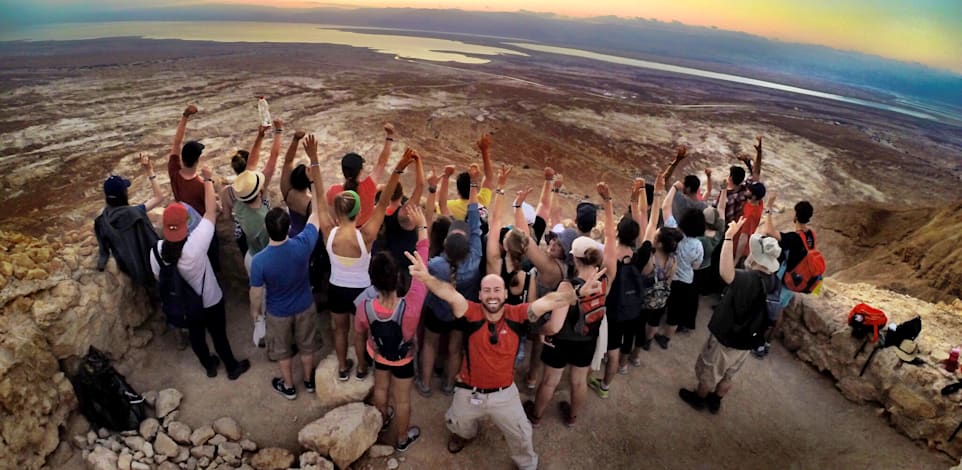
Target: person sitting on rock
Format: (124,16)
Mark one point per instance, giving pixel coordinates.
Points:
(125,230)
(188,253)
(458,208)
(485,383)
(280,280)
(739,321)
(250,188)
(386,327)
(352,165)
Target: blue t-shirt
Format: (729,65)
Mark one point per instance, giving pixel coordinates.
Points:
(690,253)
(469,272)
(283,270)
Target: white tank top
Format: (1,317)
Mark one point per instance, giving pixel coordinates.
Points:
(349,272)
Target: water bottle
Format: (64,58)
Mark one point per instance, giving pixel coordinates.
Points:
(952,363)
(263,112)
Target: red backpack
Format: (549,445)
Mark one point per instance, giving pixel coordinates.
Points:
(807,275)
(866,320)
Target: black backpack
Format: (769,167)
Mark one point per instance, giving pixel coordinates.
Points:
(106,399)
(180,301)
(748,332)
(631,299)
(387,333)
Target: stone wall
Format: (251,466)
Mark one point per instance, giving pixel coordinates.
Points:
(53,305)
(816,329)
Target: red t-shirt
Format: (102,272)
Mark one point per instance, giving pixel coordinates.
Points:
(753,217)
(190,191)
(492,365)
(367,189)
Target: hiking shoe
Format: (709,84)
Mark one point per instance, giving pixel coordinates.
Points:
(691,398)
(211,366)
(413,434)
(598,387)
(529,412)
(714,402)
(278,384)
(623,370)
(447,390)
(183,339)
(761,351)
(423,390)
(646,346)
(242,366)
(662,341)
(344,375)
(566,416)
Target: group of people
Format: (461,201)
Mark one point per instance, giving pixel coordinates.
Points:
(444,285)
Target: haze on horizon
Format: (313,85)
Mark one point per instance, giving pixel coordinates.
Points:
(922,31)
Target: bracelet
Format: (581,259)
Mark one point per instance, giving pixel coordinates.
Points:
(278,131)
(728,239)
(315,165)
(432,189)
(499,191)
(419,228)
(208,180)
(389,139)
(607,199)
(152,177)
(556,190)
(768,211)
(398,172)
(475,185)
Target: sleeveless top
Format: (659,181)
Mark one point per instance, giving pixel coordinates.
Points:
(298,220)
(349,272)
(514,299)
(251,221)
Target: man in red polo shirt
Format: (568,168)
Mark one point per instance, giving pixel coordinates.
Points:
(492,330)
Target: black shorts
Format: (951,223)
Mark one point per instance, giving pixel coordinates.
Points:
(560,353)
(399,372)
(435,325)
(622,334)
(682,305)
(341,299)
(653,317)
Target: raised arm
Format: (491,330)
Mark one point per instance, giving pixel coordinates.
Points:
(431,205)
(415,198)
(757,168)
(611,242)
(158,196)
(255,154)
(320,212)
(726,266)
(666,203)
(182,129)
(443,191)
(555,218)
(544,202)
(378,174)
(519,220)
(707,184)
(484,144)
(769,222)
(653,217)
(373,225)
(493,252)
(288,167)
(679,156)
(443,290)
(275,152)
(210,194)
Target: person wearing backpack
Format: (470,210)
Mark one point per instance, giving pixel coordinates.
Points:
(385,327)
(802,264)
(189,289)
(740,319)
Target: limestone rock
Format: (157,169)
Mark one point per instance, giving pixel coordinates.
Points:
(164,445)
(101,458)
(183,453)
(203,452)
(170,418)
(135,443)
(124,461)
(273,458)
(201,435)
(380,450)
(229,428)
(333,393)
(392,464)
(179,432)
(139,466)
(150,397)
(168,466)
(148,428)
(167,400)
(344,433)
(230,451)
(148,450)
(217,440)
(103,433)
(911,402)
(248,445)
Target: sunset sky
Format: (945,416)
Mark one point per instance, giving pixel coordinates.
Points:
(924,31)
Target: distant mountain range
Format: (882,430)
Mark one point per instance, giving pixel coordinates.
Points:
(710,48)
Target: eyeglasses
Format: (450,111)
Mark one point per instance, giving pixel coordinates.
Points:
(494,333)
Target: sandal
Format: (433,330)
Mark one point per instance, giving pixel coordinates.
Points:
(413,434)
(456,443)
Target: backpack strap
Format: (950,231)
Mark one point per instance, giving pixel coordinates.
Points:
(808,237)
(469,328)
(519,328)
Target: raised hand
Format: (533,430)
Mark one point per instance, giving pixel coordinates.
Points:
(734,227)
(278,124)
(410,155)
(448,171)
(146,164)
(389,129)
(548,173)
(417,269)
(743,157)
(603,191)
(433,179)
(475,172)
(681,153)
(708,172)
(503,174)
(637,187)
(299,134)
(415,214)
(484,143)
(206,172)
(261,130)
(758,146)
(521,195)
(310,146)
(679,186)
(190,110)
(559,181)
(659,185)
(593,284)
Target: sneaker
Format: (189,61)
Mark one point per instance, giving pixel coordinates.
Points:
(691,398)
(278,384)
(662,341)
(447,390)
(636,361)
(183,339)
(714,402)
(211,366)
(362,374)
(413,434)
(646,346)
(344,375)
(565,408)
(242,366)
(423,390)
(529,412)
(387,420)
(761,351)
(598,387)
(310,386)
(623,370)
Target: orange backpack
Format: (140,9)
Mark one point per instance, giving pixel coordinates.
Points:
(865,319)
(807,275)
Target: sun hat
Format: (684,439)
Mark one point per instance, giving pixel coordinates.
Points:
(764,251)
(907,350)
(175,222)
(247,185)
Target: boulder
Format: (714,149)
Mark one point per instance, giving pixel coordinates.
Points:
(201,435)
(273,458)
(101,458)
(167,400)
(380,450)
(164,445)
(332,392)
(148,428)
(179,432)
(344,433)
(229,428)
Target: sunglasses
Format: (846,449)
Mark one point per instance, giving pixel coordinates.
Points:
(494,333)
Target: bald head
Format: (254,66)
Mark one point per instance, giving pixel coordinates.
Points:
(493,294)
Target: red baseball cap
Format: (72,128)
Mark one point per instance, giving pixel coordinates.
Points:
(175,222)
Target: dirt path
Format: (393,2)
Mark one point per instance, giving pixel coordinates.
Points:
(781,414)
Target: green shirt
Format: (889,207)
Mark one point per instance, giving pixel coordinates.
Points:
(251,221)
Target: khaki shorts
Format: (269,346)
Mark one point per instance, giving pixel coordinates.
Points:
(284,331)
(718,362)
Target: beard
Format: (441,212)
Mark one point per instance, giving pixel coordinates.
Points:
(493,309)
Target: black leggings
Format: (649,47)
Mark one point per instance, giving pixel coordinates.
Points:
(212,320)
